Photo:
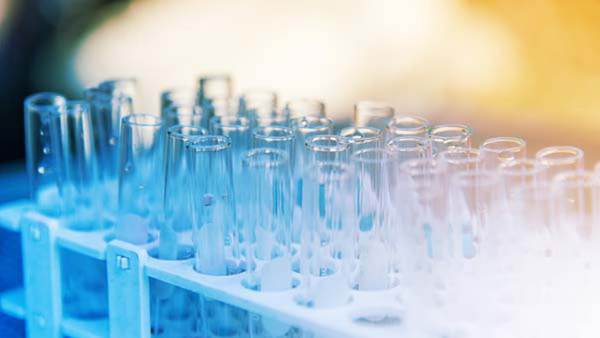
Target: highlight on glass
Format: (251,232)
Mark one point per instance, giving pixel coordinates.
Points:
(363,137)
(498,150)
(446,136)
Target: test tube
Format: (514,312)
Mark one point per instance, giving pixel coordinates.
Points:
(258,104)
(375,172)
(268,230)
(460,160)
(41,165)
(447,136)
(213,91)
(126,87)
(76,166)
(182,96)
(557,159)
(278,120)
(407,125)
(276,137)
(184,114)
(213,202)
(328,236)
(304,107)
(372,113)
(107,111)
(498,150)
(363,137)
(141,171)
(576,196)
(326,148)
(409,147)
(176,229)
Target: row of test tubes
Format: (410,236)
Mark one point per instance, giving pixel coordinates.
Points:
(241,186)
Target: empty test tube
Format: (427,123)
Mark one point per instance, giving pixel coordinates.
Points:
(557,159)
(76,166)
(176,229)
(126,87)
(363,137)
(276,137)
(409,147)
(140,187)
(214,93)
(41,163)
(278,120)
(213,202)
(375,169)
(268,220)
(326,148)
(304,107)
(447,136)
(184,114)
(498,150)
(407,125)
(372,113)
(258,104)
(177,96)
(460,160)
(328,239)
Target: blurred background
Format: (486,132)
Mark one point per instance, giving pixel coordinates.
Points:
(507,68)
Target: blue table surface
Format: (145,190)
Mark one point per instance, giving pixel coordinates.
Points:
(13,185)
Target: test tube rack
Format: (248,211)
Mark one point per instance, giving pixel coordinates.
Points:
(129,269)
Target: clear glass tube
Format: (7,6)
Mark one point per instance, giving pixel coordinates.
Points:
(268,226)
(213,202)
(126,87)
(176,230)
(460,160)
(407,125)
(214,94)
(447,136)
(76,166)
(304,107)
(281,138)
(328,239)
(576,201)
(498,150)
(280,120)
(141,163)
(107,111)
(557,159)
(372,113)
(363,137)
(184,114)
(375,173)
(409,147)
(258,104)
(326,148)
(177,96)
(225,106)
(41,166)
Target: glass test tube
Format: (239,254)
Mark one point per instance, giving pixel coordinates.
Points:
(141,172)
(363,137)
(214,93)
(407,125)
(41,166)
(184,114)
(107,111)
(126,87)
(372,113)
(276,137)
(76,166)
(258,104)
(176,230)
(409,147)
(279,120)
(447,136)
(557,159)
(328,239)
(213,202)
(177,96)
(375,172)
(498,150)
(268,228)
(326,148)
(304,107)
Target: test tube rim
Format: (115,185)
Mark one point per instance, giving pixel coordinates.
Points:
(172,131)
(54,100)
(264,137)
(520,144)
(248,160)
(506,168)
(375,106)
(325,123)
(421,128)
(376,136)
(314,102)
(421,144)
(433,131)
(342,143)
(577,154)
(128,120)
(222,143)
(474,159)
